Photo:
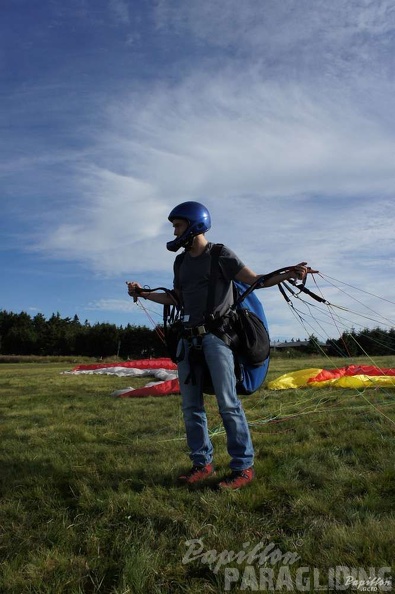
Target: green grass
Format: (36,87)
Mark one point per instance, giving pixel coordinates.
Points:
(89,501)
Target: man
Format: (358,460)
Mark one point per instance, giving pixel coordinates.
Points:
(190,221)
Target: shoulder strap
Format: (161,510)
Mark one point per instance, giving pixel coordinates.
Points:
(179,259)
(215,253)
(177,263)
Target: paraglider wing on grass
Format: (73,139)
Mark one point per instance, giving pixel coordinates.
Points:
(163,370)
(351,376)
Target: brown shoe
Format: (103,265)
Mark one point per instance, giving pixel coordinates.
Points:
(238,479)
(197,474)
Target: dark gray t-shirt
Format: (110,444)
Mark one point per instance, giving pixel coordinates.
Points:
(191,279)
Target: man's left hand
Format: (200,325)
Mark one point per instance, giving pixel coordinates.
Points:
(301,270)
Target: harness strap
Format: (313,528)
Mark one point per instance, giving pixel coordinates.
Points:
(195,331)
(303,289)
(195,335)
(195,358)
(258,284)
(283,293)
(212,283)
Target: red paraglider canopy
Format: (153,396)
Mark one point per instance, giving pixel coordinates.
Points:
(163,369)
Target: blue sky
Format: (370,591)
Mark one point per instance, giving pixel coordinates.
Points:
(278,115)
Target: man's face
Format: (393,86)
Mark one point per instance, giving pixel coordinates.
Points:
(179,226)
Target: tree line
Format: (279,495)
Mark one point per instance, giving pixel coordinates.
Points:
(372,342)
(21,334)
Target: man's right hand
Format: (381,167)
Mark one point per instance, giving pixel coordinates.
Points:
(134,289)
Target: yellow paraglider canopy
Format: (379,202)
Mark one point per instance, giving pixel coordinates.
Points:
(352,376)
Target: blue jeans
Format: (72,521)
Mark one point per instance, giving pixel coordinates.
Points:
(219,359)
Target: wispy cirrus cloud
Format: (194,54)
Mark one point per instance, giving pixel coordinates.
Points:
(253,152)
(301,39)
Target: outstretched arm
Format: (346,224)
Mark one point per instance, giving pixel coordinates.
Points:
(297,272)
(135,290)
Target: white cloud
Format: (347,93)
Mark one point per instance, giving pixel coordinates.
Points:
(302,173)
(300,37)
(120,305)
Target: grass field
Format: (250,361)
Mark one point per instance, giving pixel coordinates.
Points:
(89,501)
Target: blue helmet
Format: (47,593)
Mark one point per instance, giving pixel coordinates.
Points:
(199,221)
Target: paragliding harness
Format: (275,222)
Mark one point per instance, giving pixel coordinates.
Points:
(243,328)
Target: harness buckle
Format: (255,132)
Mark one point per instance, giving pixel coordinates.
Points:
(196,331)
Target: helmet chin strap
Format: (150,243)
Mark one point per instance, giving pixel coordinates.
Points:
(188,243)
